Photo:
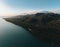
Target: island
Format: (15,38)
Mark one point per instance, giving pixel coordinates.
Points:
(45,26)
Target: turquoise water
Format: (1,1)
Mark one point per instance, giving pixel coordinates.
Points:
(14,36)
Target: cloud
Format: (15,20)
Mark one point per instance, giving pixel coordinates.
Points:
(6,10)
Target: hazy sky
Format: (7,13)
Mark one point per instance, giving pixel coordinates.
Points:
(34,4)
(8,7)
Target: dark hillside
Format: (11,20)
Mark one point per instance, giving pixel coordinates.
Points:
(45,26)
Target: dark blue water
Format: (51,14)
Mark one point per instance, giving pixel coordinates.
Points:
(14,36)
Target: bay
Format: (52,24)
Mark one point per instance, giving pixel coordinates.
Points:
(15,36)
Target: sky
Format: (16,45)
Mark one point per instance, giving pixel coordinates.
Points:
(14,7)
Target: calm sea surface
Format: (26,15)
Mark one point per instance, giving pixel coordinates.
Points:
(14,36)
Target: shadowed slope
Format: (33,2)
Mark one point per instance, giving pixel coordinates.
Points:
(46,26)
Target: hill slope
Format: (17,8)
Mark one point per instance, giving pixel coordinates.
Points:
(46,26)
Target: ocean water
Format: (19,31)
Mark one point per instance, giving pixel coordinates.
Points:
(15,36)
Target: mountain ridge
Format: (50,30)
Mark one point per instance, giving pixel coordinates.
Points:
(45,26)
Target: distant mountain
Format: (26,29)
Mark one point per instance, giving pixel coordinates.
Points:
(45,25)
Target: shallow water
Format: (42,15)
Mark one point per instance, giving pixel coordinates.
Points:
(14,36)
